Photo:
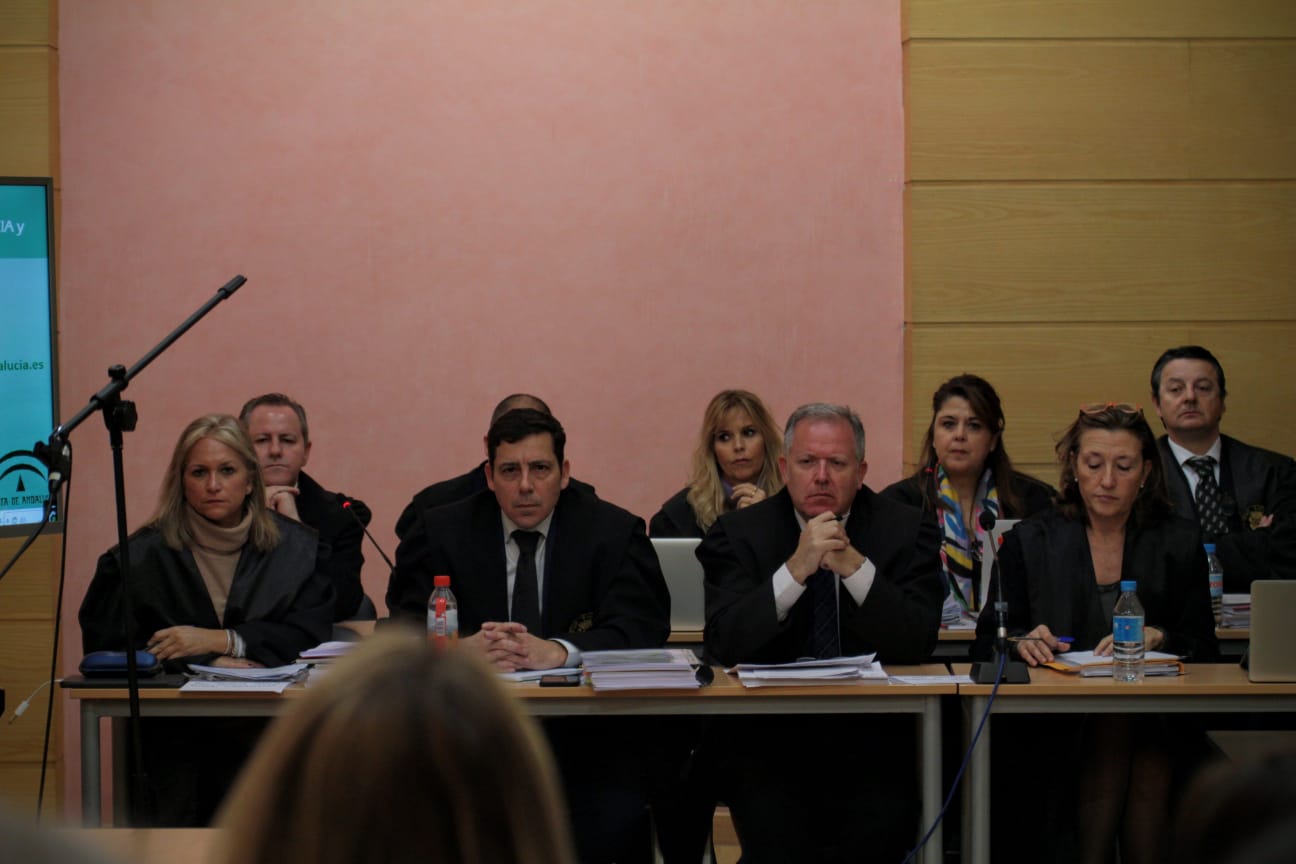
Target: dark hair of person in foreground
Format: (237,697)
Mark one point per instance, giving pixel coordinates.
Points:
(401,754)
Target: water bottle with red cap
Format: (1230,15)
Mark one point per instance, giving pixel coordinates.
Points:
(443,613)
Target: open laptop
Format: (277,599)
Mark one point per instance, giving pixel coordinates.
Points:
(1273,638)
(683,574)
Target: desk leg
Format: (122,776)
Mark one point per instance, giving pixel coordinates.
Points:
(978,787)
(930,779)
(91,809)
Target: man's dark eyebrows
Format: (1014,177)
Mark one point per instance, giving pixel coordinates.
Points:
(540,463)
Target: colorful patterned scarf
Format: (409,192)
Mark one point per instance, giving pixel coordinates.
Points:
(961,557)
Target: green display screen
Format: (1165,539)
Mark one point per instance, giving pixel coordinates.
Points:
(27,376)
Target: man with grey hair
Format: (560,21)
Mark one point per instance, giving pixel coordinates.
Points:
(824,568)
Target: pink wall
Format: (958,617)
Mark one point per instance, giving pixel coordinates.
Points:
(623,207)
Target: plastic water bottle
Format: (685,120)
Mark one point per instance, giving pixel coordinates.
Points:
(443,613)
(1216,571)
(1127,635)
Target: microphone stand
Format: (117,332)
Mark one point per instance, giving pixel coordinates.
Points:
(120,416)
(988,671)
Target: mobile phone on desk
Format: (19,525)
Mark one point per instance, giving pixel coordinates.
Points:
(572,680)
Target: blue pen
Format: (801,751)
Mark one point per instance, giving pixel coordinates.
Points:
(1065,640)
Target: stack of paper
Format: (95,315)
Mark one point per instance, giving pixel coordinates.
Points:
(835,670)
(648,669)
(326,651)
(1090,665)
(273,679)
(1236,611)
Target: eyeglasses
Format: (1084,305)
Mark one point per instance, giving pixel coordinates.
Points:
(1116,407)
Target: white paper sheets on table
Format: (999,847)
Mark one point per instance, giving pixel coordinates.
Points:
(201,686)
(643,669)
(834,670)
(272,679)
(328,651)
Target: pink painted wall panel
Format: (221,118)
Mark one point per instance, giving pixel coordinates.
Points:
(623,207)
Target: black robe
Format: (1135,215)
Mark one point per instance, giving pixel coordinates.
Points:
(341,536)
(1253,483)
(279,602)
(1048,578)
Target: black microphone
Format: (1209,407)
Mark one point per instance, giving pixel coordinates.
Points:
(346,505)
(1014,671)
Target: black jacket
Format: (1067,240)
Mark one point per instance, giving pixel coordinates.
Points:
(1253,483)
(278,602)
(899,618)
(676,518)
(1048,578)
(340,539)
(603,587)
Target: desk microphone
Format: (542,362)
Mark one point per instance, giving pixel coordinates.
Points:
(346,505)
(987,672)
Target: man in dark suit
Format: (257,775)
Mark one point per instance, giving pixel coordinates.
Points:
(1243,497)
(543,571)
(279,432)
(471,481)
(824,568)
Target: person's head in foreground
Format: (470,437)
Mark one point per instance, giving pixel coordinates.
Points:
(401,754)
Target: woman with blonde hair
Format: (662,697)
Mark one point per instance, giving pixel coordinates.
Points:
(735,464)
(215,578)
(401,754)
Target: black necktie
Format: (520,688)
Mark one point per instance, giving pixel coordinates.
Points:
(824,638)
(526,589)
(1209,509)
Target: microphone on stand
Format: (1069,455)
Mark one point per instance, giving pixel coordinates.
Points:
(346,505)
(987,671)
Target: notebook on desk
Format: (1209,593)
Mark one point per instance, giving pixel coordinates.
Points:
(1273,636)
(683,573)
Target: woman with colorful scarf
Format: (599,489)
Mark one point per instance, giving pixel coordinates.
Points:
(965,471)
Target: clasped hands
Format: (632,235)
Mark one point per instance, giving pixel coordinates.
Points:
(509,647)
(824,543)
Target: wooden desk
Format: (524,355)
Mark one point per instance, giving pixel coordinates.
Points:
(1206,688)
(725,696)
(149,845)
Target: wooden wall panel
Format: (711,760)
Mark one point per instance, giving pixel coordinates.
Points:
(27,112)
(27,593)
(1043,373)
(1243,122)
(1101,252)
(27,22)
(20,782)
(24,664)
(1015,19)
(1099,110)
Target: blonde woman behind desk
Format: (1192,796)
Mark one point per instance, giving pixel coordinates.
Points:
(401,754)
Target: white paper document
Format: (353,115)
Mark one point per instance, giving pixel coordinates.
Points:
(289,673)
(201,686)
(833,670)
